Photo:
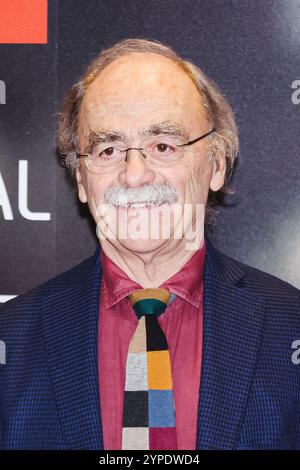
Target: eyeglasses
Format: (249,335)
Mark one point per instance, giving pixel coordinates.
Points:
(159,151)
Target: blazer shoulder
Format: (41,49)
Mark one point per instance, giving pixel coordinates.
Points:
(262,283)
(281,299)
(265,284)
(27,305)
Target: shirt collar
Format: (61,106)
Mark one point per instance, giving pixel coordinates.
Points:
(186,283)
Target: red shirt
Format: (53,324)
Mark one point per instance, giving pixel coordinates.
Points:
(182,325)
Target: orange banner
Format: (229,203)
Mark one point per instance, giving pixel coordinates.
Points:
(23,21)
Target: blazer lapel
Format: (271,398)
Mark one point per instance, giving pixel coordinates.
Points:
(233,319)
(70,323)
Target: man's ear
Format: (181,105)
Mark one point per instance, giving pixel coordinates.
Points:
(80,186)
(218,172)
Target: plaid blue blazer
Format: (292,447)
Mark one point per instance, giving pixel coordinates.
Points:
(249,396)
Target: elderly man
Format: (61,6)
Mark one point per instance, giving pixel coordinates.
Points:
(158,341)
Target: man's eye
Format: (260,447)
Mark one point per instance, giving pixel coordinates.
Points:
(107,152)
(110,152)
(164,148)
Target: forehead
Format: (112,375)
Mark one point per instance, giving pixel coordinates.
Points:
(140,89)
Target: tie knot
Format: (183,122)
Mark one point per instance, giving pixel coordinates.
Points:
(150,301)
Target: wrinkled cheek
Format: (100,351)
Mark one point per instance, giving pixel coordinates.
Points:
(95,198)
(198,185)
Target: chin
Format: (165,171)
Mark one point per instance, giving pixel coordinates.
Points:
(142,245)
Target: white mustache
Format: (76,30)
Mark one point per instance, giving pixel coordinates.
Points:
(158,193)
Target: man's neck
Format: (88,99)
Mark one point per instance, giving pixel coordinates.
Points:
(150,268)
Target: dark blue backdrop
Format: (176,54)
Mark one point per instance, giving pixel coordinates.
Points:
(250,48)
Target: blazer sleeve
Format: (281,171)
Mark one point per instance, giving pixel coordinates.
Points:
(1,434)
(297,446)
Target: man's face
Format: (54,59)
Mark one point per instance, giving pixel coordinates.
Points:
(130,95)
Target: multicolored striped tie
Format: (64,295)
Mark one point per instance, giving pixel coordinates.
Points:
(149,411)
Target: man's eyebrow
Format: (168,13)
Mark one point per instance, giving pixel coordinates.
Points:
(97,137)
(166,128)
(162,128)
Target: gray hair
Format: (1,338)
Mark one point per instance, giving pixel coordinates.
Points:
(224,141)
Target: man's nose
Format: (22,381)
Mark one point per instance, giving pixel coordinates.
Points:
(136,170)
